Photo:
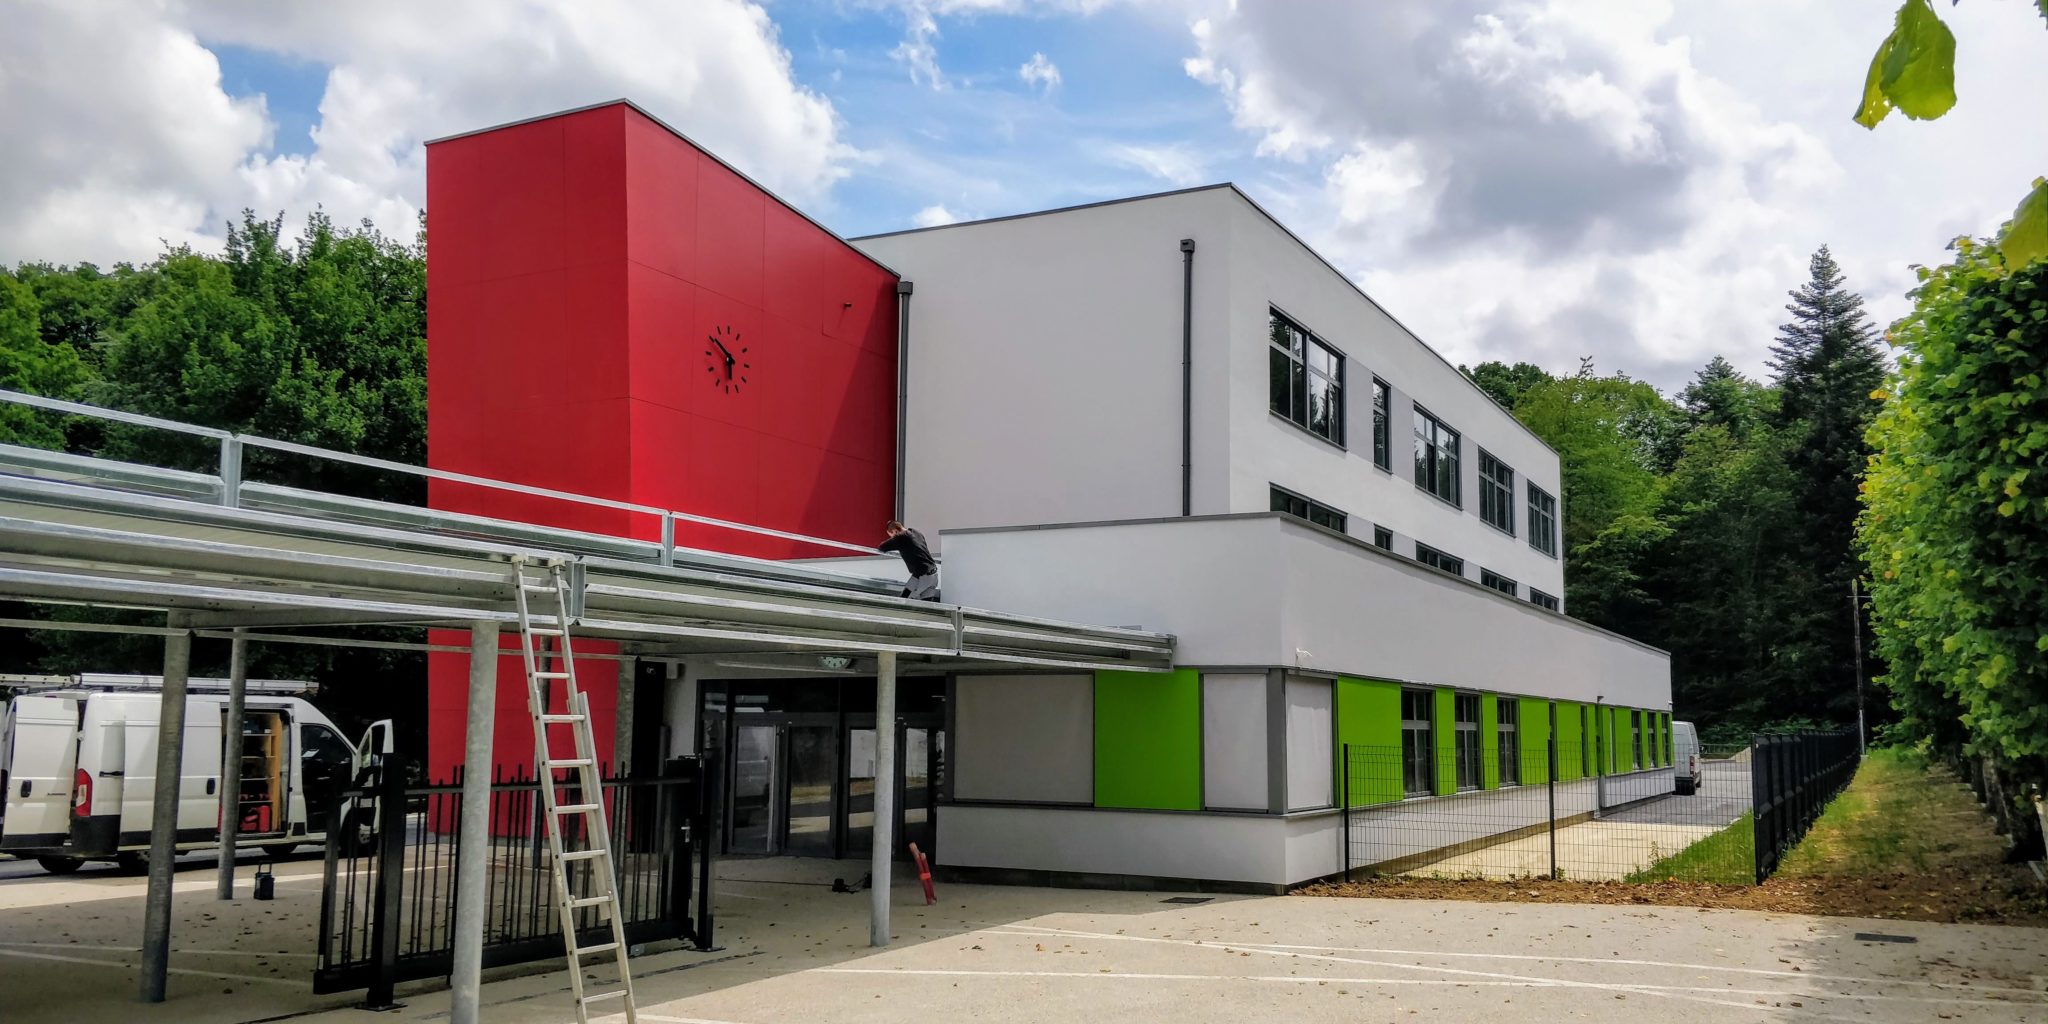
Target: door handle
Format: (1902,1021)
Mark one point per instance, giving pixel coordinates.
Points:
(210,785)
(25,784)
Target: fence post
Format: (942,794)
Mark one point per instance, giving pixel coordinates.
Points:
(1552,787)
(678,840)
(1347,812)
(391,814)
(710,807)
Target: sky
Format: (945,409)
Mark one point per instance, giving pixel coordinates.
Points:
(1635,181)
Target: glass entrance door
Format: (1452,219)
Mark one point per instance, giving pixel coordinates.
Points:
(757,807)
(813,784)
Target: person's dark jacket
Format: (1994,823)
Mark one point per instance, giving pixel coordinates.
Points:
(916,556)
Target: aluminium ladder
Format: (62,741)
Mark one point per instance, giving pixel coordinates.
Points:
(588,808)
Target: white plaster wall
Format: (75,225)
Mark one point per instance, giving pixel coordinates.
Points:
(1045,363)
(1219,847)
(1024,738)
(1268,590)
(1235,761)
(1270,268)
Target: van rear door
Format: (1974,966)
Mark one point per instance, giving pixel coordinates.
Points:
(42,752)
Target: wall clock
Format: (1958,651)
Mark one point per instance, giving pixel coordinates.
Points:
(726,360)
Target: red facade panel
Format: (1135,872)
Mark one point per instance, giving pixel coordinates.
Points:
(580,268)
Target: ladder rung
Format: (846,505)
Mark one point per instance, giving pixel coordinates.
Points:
(589,901)
(561,718)
(574,762)
(537,588)
(578,808)
(602,947)
(551,675)
(617,993)
(583,854)
(544,631)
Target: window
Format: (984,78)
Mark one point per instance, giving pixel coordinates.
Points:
(1635,729)
(1542,600)
(1418,775)
(1435,559)
(1307,381)
(1465,720)
(1489,578)
(1302,508)
(1587,741)
(1383,537)
(1496,493)
(1542,521)
(1381,456)
(1509,717)
(1436,458)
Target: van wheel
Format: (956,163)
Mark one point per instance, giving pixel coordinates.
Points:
(61,865)
(132,863)
(281,851)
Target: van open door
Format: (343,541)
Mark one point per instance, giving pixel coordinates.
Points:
(370,750)
(42,753)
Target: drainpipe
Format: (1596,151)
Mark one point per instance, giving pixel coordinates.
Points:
(902,390)
(1187,376)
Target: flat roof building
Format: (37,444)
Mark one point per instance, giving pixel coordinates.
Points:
(1164,412)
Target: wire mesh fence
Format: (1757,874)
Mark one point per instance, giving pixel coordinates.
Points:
(1585,811)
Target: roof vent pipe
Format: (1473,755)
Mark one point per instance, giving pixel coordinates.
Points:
(1187,376)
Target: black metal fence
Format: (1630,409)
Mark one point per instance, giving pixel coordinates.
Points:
(1796,775)
(387,911)
(1589,811)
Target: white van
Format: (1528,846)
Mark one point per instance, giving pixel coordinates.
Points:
(1685,755)
(78,767)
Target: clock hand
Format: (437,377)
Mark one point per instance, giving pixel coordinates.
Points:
(721,348)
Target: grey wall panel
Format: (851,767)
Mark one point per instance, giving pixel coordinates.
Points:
(1311,764)
(1234,740)
(1027,738)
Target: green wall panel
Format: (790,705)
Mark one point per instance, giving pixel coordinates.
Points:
(1571,753)
(1369,722)
(1534,729)
(1148,740)
(1444,732)
(1489,741)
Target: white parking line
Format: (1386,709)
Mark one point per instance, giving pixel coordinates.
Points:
(174,970)
(134,949)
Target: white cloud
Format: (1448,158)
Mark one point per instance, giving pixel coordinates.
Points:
(934,215)
(1177,164)
(1040,72)
(918,52)
(138,140)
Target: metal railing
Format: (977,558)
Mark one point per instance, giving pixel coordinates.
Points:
(387,908)
(229,484)
(1794,776)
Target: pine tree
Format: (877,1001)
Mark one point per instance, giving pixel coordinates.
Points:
(1828,365)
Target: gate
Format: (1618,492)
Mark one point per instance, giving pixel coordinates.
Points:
(387,906)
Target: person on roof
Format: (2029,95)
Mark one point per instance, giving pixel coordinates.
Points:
(917,557)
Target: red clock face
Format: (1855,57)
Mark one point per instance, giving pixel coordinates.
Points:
(725,360)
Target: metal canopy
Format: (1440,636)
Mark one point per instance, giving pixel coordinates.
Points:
(229,553)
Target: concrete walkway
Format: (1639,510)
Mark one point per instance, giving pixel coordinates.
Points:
(796,953)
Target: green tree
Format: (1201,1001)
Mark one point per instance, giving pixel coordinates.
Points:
(1720,396)
(1955,527)
(1506,383)
(31,364)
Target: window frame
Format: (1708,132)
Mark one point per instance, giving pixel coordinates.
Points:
(1412,764)
(1542,519)
(1301,370)
(1435,558)
(1587,742)
(1429,474)
(1496,493)
(1508,739)
(1311,507)
(1544,601)
(1382,441)
(1635,727)
(1468,754)
(1493,580)
(1383,538)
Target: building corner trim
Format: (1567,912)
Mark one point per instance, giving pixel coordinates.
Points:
(1187,377)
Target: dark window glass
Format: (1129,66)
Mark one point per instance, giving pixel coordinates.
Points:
(1542,521)
(1496,493)
(1436,457)
(1435,559)
(1302,508)
(1635,728)
(1383,537)
(1305,379)
(1586,741)
(1510,741)
(1466,721)
(1542,600)
(1418,772)
(1489,578)
(1381,455)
